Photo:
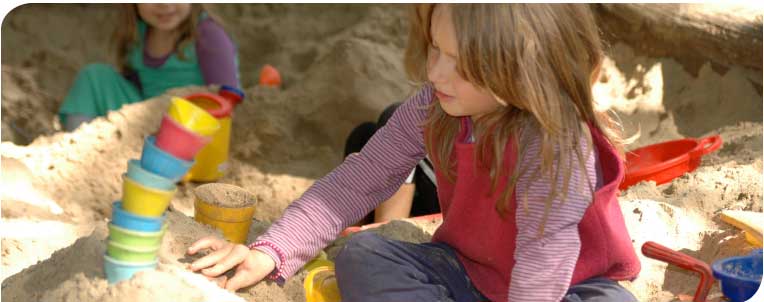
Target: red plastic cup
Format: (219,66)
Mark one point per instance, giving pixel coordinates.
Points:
(216,105)
(232,94)
(179,141)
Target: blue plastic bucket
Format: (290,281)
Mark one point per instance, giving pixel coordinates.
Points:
(740,277)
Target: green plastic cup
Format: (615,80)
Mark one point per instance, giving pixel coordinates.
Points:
(136,238)
(128,253)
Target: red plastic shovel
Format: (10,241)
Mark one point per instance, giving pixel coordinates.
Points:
(662,253)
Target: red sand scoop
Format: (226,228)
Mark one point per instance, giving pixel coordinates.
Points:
(665,161)
(662,253)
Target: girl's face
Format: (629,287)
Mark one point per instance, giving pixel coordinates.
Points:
(165,17)
(457,97)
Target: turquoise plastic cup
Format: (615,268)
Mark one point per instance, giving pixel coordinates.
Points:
(116,270)
(146,178)
(124,219)
(158,161)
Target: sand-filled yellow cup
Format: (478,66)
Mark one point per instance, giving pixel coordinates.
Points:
(193,117)
(142,200)
(227,208)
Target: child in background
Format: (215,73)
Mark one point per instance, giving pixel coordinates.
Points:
(527,172)
(158,47)
(417,195)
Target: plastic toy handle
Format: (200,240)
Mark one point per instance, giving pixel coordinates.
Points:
(662,253)
(709,144)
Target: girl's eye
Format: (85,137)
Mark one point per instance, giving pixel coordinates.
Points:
(432,52)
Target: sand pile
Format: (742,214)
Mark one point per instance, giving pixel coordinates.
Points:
(659,99)
(341,65)
(76,274)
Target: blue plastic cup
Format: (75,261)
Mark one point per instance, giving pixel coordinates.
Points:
(124,219)
(116,270)
(157,161)
(146,178)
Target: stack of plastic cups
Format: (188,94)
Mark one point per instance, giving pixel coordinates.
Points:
(137,225)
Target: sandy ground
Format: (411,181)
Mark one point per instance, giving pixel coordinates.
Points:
(341,66)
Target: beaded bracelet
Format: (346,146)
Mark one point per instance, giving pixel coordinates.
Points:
(274,275)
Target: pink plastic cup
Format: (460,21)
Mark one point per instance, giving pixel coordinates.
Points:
(179,141)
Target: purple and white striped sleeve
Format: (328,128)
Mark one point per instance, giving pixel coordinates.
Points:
(544,265)
(350,191)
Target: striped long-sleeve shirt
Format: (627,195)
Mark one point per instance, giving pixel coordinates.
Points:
(367,178)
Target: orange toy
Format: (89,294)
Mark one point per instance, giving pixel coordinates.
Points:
(269,76)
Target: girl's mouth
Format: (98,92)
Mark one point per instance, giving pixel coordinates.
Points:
(165,17)
(442,96)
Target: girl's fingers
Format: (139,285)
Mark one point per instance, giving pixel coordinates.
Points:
(210,242)
(242,278)
(255,267)
(234,257)
(222,281)
(209,260)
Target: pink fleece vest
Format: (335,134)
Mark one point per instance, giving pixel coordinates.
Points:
(485,243)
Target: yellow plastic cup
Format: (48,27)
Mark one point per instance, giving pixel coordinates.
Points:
(321,285)
(193,117)
(212,161)
(143,200)
(234,223)
(320,260)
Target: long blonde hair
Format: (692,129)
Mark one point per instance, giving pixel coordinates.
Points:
(538,58)
(125,35)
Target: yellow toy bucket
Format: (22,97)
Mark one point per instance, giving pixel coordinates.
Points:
(321,285)
(193,117)
(227,208)
(142,200)
(211,161)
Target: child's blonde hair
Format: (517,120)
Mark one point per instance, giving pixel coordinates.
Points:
(538,58)
(126,34)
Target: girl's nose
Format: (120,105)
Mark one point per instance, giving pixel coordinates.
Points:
(438,70)
(165,7)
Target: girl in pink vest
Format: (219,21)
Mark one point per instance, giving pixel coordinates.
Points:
(527,172)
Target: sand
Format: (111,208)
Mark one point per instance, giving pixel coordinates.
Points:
(341,65)
(224,195)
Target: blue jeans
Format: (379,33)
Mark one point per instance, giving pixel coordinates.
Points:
(372,268)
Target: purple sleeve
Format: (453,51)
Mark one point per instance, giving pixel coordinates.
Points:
(217,54)
(350,191)
(544,266)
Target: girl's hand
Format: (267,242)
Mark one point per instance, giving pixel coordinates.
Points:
(251,265)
